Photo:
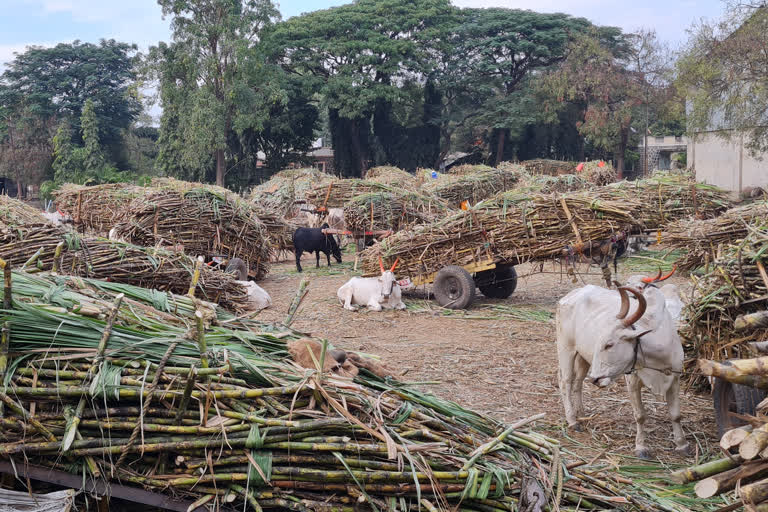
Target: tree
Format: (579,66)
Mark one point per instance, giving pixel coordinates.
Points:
(213,39)
(496,48)
(364,59)
(57,82)
(93,160)
(25,145)
(723,72)
(597,76)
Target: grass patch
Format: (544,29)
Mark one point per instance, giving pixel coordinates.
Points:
(651,261)
(336,269)
(524,313)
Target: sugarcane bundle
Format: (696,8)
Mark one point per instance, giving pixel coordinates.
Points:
(745,471)
(702,237)
(735,285)
(280,193)
(44,247)
(546,184)
(512,227)
(666,197)
(548,167)
(465,169)
(279,228)
(96,208)
(201,221)
(598,172)
(475,187)
(15,213)
(141,393)
(339,192)
(393,210)
(392,176)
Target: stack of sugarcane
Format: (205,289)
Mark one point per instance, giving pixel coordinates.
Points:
(44,246)
(667,197)
(454,189)
(279,228)
(18,213)
(161,393)
(392,176)
(703,238)
(548,167)
(512,227)
(393,210)
(96,208)
(198,220)
(746,470)
(546,184)
(465,169)
(280,193)
(339,192)
(598,172)
(735,285)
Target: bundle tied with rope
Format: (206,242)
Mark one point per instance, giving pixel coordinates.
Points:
(474,187)
(392,210)
(512,229)
(241,424)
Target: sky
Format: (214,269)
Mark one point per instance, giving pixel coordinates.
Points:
(47,22)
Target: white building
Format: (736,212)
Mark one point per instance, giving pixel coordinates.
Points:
(727,164)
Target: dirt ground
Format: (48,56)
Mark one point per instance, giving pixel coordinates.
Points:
(498,358)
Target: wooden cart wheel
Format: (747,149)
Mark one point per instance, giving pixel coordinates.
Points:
(454,287)
(498,283)
(731,400)
(239,268)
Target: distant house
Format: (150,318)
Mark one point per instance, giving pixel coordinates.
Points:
(322,159)
(661,152)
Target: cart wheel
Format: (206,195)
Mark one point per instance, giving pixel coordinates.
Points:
(239,268)
(498,283)
(733,399)
(454,287)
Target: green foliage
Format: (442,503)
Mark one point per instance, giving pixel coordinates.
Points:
(93,159)
(57,82)
(47,188)
(64,162)
(723,74)
(211,81)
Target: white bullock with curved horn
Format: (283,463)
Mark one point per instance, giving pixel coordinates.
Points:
(377,293)
(595,342)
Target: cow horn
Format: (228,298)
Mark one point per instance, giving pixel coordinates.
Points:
(394,265)
(381,265)
(650,280)
(640,311)
(664,278)
(624,309)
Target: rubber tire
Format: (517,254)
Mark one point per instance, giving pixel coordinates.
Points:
(454,287)
(734,398)
(239,268)
(498,283)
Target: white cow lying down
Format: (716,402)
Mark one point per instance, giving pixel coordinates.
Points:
(377,293)
(595,342)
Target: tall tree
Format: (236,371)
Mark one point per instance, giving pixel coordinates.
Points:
(599,78)
(56,82)
(93,157)
(363,55)
(214,37)
(25,145)
(723,72)
(497,48)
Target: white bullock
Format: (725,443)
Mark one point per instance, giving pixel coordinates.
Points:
(595,342)
(376,293)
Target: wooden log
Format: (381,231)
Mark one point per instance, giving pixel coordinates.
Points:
(756,492)
(734,437)
(754,443)
(731,373)
(757,320)
(694,473)
(727,480)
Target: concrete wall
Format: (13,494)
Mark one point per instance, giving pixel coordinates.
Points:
(726,164)
(667,140)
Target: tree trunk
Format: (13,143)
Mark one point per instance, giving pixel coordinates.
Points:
(19,190)
(500,146)
(220,167)
(620,150)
